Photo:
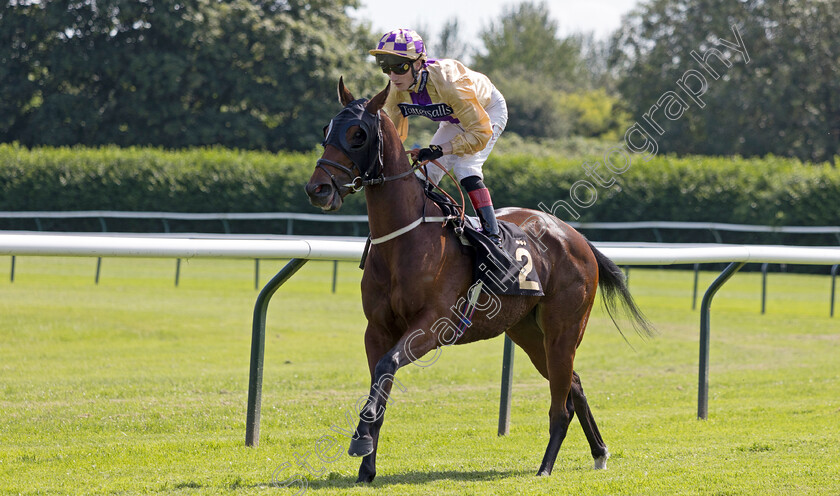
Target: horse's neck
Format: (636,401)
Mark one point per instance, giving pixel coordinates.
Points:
(396,204)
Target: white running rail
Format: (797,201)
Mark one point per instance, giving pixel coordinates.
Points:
(279,247)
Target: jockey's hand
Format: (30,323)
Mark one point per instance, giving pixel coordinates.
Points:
(433,152)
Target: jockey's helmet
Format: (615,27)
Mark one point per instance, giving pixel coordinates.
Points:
(401,42)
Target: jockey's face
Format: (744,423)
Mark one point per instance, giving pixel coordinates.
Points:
(401,81)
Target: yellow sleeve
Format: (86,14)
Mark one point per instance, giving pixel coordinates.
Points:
(462,97)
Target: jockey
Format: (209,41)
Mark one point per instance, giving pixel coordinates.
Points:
(472,113)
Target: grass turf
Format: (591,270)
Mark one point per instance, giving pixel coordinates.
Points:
(135,386)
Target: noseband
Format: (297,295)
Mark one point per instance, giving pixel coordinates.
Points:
(357,183)
(366,156)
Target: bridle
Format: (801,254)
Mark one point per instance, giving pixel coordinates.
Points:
(355,185)
(366,157)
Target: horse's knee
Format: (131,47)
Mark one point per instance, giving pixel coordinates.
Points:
(386,366)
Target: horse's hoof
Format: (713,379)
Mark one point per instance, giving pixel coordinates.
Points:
(601,461)
(361,447)
(365,479)
(543,473)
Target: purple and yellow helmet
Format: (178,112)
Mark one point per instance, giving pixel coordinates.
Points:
(401,42)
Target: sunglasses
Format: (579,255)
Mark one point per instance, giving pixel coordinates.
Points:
(398,67)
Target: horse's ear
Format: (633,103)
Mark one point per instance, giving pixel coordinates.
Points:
(376,103)
(344,95)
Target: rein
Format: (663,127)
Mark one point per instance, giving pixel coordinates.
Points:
(463,203)
(443,219)
(358,183)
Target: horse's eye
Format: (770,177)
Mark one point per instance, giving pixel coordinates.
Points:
(359,138)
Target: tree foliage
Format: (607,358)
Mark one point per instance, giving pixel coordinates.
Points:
(548,80)
(525,40)
(449,43)
(784,101)
(255,74)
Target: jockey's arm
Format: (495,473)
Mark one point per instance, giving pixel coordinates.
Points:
(461,96)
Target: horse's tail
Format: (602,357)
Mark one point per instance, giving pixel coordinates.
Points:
(613,287)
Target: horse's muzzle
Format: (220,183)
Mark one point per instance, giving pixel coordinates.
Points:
(323,196)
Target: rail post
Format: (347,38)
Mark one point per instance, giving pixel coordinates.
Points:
(833,277)
(705,307)
(764,287)
(507,380)
(252,422)
(696,278)
(256,273)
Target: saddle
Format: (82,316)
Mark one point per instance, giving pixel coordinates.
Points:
(503,271)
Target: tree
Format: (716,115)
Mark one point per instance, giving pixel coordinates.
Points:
(554,86)
(525,41)
(784,100)
(175,73)
(449,43)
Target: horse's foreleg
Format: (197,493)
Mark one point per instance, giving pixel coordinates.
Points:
(587,422)
(411,347)
(371,417)
(377,343)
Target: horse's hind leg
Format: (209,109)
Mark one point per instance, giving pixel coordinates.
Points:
(563,331)
(576,401)
(528,336)
(560,379)
(587,422)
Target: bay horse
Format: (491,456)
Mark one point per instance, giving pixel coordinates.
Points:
(415,271)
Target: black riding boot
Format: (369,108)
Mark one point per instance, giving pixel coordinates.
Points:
(483,205)
(489,224)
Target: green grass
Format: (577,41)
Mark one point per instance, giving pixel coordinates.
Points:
(134,386)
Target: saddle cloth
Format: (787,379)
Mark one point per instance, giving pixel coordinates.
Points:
(507,270)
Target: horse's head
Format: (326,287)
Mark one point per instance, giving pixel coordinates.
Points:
(352,150)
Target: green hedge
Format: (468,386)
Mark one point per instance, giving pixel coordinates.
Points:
(199,180)
(151,179)
(769,191)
